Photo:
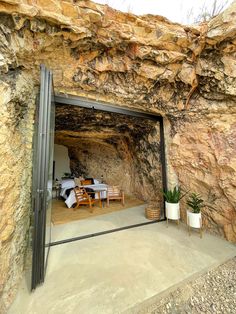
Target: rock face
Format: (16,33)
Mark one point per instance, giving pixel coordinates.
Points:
(207,165)
(186,74)
(17,104)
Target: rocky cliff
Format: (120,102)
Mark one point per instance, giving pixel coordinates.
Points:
(186,74)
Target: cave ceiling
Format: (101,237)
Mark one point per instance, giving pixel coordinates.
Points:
(75,125)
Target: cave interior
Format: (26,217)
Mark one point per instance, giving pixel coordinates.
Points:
(122,149)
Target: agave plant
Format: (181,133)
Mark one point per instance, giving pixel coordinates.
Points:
(195,202)
(173,196)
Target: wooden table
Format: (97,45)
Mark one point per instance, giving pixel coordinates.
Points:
(57,189)
(101,200)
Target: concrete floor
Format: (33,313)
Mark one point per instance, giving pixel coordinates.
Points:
(129,216)
(114,272)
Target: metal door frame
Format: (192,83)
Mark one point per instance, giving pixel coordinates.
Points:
(40,172)
(102,106)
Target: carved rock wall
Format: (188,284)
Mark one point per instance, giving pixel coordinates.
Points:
(17,103)
(207,165)
(147,180)
(96,160)
(124,149)
(187,74)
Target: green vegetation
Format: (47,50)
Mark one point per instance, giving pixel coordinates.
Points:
(195,202)
(173,196)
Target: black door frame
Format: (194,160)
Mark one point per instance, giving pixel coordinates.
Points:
(40,177)
(107,107)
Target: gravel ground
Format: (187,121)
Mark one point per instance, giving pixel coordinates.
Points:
(213,292)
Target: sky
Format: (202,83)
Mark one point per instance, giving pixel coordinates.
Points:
(174,10)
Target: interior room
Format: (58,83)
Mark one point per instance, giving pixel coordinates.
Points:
(114,158)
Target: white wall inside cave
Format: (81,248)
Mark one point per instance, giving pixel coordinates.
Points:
(62,161)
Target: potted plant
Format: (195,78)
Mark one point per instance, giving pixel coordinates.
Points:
(67,175)
(172,198)
(194,218)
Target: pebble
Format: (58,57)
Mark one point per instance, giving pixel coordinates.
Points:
(211,293)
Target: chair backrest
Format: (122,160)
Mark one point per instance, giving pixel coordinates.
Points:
(113,190)
(81,195)
(77,181)
(86,182)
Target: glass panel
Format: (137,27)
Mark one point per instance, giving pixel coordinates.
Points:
(34,196)
(50,131)
(143,170)
(42,178)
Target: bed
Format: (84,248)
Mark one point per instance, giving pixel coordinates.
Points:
(69,184)
(66,184)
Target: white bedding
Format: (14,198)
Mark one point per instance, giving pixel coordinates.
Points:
(98,187)
(65,185)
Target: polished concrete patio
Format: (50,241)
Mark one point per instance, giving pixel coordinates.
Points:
(115,272)
(126,217)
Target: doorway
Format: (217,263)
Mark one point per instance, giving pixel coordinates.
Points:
(119,148)
(111,146)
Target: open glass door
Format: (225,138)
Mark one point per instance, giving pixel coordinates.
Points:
(42,177)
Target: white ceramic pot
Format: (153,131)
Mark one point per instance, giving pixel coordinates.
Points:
(172,211)
(194,219)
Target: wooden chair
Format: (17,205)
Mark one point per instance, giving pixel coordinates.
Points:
(86,182)
(114,193)
(82,198)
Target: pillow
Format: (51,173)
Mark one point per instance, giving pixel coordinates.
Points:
(96,181)
(86,182)
(77,181)
(67,183)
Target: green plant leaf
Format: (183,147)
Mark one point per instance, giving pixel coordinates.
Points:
(195,202)
(173,196)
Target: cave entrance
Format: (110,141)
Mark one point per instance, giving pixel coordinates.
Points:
(110,146)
